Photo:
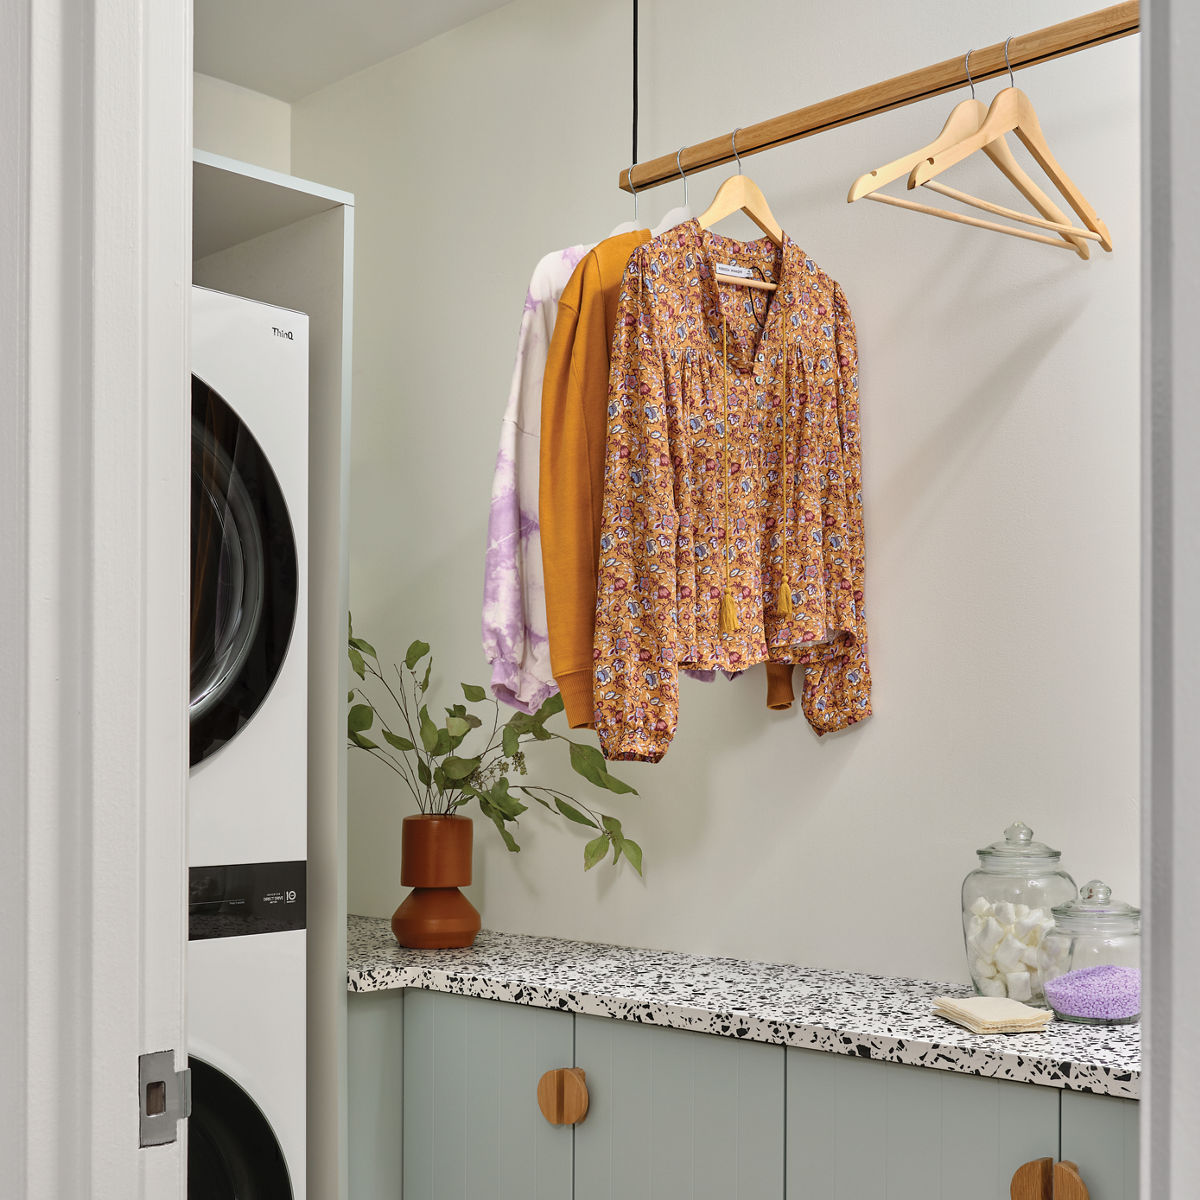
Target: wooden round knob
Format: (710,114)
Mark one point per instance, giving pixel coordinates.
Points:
(562,1096)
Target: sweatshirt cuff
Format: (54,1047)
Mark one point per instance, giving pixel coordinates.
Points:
(576,690)
(779,686)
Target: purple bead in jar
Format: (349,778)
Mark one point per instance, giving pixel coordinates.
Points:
(1095,945)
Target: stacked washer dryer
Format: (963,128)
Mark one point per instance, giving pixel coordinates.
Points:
(248,789)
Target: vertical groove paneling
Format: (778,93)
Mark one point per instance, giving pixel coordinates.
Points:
(375,1069)
(1100,1134)
(472,1128)
(677,1116)
(859,1129)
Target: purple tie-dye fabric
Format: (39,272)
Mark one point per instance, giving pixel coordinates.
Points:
(514,597)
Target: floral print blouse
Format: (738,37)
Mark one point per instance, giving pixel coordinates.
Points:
(732,469)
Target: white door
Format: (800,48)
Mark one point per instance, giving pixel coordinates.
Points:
(95,195)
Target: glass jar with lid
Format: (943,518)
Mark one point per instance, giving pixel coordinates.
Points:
(1008,910)
(1094,951)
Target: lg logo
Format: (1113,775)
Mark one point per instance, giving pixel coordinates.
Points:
(283,333)
(290,896)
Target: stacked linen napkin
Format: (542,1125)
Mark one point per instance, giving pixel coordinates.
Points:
(992,1014)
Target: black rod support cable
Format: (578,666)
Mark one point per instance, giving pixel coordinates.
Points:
(633,157)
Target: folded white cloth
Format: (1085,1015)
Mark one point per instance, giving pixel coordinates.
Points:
(992,1014)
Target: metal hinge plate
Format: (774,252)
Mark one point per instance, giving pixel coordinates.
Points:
(165,1097)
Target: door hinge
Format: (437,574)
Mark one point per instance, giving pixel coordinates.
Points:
(166,1097)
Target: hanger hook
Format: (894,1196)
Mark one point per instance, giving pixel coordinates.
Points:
(633,189)
(967,66)
(682,175)
(1011,81)
(733,139)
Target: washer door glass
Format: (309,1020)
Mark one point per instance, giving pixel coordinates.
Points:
(243,574)
(233,1153)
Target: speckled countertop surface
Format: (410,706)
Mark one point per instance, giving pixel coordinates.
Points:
(839,1012)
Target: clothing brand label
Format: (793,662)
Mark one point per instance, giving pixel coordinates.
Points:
(734,269)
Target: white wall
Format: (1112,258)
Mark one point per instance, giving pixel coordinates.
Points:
(242,124)
(1000,430)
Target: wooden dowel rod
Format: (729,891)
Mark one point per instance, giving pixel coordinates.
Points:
(963,219)
(1055,41)
(762,284)
(1000,211)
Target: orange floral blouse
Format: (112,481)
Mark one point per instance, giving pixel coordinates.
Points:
(732,470)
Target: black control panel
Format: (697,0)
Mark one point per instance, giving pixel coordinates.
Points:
(241,899)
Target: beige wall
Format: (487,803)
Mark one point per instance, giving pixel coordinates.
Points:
(242,124)
(1000,431)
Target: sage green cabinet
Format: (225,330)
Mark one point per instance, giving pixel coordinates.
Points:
(861,1129)
(1100,1135)
(472,1128)
(677,1116)
(443,1106)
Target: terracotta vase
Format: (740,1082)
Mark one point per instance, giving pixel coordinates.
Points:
(435,861)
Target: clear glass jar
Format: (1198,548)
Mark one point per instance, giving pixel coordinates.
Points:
(1094,951)
(1008,910)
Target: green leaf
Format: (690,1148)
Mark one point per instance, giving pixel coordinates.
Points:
(588,762)
(364,742)
(573,814)
(460,768)
(633,852)
(521,722)
(423,772)
(428,668)
(550,706)
(510,740)
(356,661)
(534,796)
(542,735)
(445,743)
(611,824)
(360,718)
(350,696)
(439,778)
(457,727)
(617,845)
(429,731)
(509,840)
(401,743)
(504,801)
(364,646)
(416,652)
(474,692)
(594,852)
(472,720)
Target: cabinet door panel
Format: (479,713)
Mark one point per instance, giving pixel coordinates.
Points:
(1100,1135)
(472,1127)
(677,1115)
(860,1129)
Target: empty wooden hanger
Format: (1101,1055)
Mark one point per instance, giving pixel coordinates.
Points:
(739,193)
(964,120)
(1011,112)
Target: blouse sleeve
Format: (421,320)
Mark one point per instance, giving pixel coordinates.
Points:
(837,688)
(635,684)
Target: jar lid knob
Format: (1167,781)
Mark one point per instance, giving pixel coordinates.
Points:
(1019,832)
(1096,891)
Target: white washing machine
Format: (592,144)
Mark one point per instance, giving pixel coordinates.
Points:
(248,786)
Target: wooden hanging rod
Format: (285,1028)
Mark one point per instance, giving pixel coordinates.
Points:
(1055,41)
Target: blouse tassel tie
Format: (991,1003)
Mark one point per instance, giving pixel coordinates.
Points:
(784,600)
(729,618)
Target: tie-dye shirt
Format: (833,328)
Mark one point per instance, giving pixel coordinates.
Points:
(514,598)
(732,473)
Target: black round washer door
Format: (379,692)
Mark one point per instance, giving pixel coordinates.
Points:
(244,574)
(232,1152)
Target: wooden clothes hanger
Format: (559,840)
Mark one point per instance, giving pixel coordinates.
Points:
(1011,112)
(739,193)
(964,120)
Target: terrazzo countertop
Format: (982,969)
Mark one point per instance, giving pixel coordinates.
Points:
(839,1012)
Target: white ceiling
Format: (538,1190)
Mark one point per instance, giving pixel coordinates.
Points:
(289,48)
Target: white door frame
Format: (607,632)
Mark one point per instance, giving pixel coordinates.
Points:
(95,197)
(1170,1150)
